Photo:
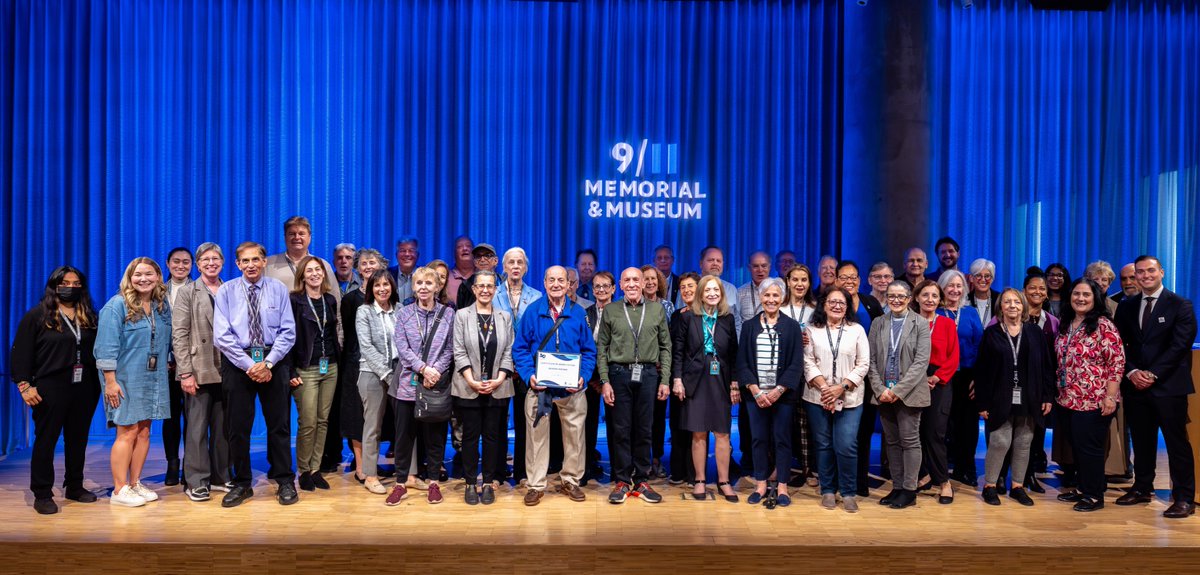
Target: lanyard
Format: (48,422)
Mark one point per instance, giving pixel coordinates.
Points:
(636,333)
(320,320)
(753,300)
(834,348)
(773,337)
(486,328)
(77,332)
(599,316)
(153,329)
(1015,347)
(800,316)
(954,315)
(896,337)
(515,303)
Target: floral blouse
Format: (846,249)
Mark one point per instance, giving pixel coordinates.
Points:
(1087,364)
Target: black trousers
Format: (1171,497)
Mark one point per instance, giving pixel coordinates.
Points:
(773,438)
(1146,415)
(866,429)
(682,468)
(591,428)
(408,429)
(1087,432)
(745,433)
(66,409)
(275,397)
(630,422)
(481,418)
(520,388)
(934,420)
(172,428)
(964,424)
(660,429)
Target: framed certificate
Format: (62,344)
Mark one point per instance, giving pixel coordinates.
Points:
(558,370)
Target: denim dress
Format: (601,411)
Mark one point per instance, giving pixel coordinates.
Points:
(125,347)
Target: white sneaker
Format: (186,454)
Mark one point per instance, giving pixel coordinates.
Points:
(126,497)
(222,487)
(144,492)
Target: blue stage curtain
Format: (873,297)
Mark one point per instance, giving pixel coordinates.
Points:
(1067,136)
(131,127)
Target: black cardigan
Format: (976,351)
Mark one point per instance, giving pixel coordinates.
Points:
(688,360)
(307,332)
(790,372)
(993,392)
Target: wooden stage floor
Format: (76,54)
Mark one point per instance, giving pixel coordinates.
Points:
(349,529)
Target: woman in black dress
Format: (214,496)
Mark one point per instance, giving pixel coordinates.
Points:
(369,261)
(55,370)
(705,349)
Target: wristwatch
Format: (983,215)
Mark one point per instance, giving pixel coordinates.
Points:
(269,365)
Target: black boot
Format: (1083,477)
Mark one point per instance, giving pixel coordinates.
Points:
(172,472)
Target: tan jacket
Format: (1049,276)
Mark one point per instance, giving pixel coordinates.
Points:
(192,334)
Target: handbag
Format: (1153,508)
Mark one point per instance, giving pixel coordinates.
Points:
(435,405)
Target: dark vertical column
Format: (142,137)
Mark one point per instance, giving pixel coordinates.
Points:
(885,167)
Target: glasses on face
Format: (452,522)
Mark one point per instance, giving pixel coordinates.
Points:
(986,277)
(835,304)
(896,297)
(483,287)
(878,277)
(848,278)
(601,287)
(1056,275)
(209,260)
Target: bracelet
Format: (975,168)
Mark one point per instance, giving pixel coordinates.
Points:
(759,394)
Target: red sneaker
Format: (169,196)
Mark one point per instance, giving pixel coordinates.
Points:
(398,493)
(435,494)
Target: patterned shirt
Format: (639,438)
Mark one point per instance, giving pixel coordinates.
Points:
(1087,364)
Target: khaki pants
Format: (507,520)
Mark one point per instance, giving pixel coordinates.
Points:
(314,398)
(572,412)
(1115,462)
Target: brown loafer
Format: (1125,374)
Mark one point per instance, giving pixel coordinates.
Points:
(1180,510)
(533,497)
(573,491)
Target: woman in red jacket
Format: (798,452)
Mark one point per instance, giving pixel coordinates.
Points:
(943,362)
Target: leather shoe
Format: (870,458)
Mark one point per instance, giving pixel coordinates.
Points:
(81,495)
(1134,497)
(1180,510)
(287,494)
(1071,497)
(1019,495)
(45,506)
(1086,504)
(172,473)
(887,499)
(306,482)
(991,495)
(904,499)
(533,497)
(573,491)
(319,481)
(1032,484)
(236,496)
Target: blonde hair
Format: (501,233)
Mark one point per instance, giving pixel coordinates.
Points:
(425,271)
(1021,297)
(698,301)
(298,284)
(133,304)
(443,294)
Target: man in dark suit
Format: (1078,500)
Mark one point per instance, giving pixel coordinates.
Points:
(664,261)
(1129,287)
(1157,328)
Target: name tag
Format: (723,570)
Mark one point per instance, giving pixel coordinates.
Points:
(1016,396)
(323,366)
(890,383)
(77,375)
(415,380)
(257,354)
(635,373)
(714,367)
(1162,320)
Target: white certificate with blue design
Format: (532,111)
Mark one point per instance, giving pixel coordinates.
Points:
(558,370)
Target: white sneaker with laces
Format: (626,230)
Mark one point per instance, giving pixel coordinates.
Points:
(144,492)
(126,497)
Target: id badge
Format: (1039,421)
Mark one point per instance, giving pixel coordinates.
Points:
(415,380)
(77,375)
(635,373)
(256,354)
(324,366)
(890,383)
(1016,396)
(769,380)
(714,367)
(152,362)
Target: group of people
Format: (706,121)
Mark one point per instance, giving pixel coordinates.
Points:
(423,352)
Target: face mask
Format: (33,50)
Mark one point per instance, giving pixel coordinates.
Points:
(69,294)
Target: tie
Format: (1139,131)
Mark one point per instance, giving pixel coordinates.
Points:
(1146,313)
(554,312)
(256,330)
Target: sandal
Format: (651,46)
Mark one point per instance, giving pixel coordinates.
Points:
(730,498)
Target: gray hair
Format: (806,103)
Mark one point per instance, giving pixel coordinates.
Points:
(209,247)
(903,285)
(371,253)
(949,275)
(1099,268)
(982,264)
(572,272)
(879,266)
(347,246)
(515,251)
(487,274)
(770,283)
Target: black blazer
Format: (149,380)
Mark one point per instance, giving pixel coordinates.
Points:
(790,373)
(993,391)
(872,305)
(995,299)
(1163,348)
(673,291)
(307,332)
(688,360)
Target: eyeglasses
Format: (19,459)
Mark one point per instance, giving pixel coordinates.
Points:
(601,287)
(896,297)
(835,304)
(888,277)
(848,278)
(482,287)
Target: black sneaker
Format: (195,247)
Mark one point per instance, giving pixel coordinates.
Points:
(81,495)
(488,495)
(646,493)
(287,494)
(236,496)
(319,481)
(306,482)
(1019,495)
(991,496)
(619,493)
(45,506)
(472,495)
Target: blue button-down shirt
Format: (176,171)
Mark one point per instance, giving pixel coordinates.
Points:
(231,320)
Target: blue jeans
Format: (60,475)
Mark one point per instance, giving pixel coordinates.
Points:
(835,435)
